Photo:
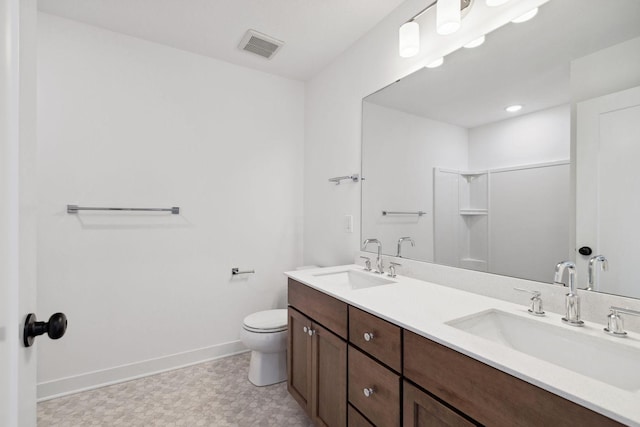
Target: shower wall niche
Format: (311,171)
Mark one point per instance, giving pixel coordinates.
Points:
(477,214)
(461,225)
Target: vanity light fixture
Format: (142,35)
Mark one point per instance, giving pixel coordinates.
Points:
(524,18)
(475,43)
(409,37)
(449,14)
(513,108)
(436,63)
(494,3)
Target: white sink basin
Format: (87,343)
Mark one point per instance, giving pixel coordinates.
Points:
(598,358)
(354,279)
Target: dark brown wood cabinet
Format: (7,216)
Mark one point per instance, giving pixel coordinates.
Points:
(376,337)
(421,410)
(328,378)
(486,394)
(316,357)
(299,358)
(356,419)
(374,389)
(409,379)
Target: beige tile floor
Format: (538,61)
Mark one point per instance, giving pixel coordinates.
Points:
(215,393)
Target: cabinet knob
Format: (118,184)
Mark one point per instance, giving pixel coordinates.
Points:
(311,332)
(368,391)
(368,336)
(305,329)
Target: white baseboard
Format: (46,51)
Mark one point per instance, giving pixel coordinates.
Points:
(91,380)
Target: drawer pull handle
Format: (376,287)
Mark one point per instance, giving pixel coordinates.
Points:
(311,332)
(368,391)
(368,336)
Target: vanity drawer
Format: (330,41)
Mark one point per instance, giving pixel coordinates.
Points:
(382,407)
(486,394)
(355,419)
(385,339)
(322,308)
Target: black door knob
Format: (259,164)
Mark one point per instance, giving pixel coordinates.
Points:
(55,327)
(585,250)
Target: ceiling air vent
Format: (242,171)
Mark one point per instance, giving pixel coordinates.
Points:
(260,44)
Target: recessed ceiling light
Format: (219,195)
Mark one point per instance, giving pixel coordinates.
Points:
(436,63)
(475,43)
(513,108)
(524,18)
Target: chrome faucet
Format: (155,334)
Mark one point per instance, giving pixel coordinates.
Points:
(594,277)
(615,324)
(572,302)
(400,241)
(379,266)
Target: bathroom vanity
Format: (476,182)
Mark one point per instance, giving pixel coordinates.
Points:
(366,350)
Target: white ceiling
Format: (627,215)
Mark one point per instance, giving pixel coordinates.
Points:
(524,63)
(314,31)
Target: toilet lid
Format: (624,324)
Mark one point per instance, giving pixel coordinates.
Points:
(269,320)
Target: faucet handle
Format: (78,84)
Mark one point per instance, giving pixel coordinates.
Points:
(536,301)
(367,263)
(615,323)
(392,268)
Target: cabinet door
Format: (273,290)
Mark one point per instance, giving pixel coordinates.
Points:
(329,379)
(299,359)
(421,410)
(356,419)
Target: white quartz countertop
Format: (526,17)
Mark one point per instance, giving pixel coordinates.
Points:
(424,308)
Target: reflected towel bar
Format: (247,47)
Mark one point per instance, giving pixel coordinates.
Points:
(419,213)
(73,209)
(355,178)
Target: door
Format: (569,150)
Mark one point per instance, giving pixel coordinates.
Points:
(17,213)
(607,181)
(328,379)
(299,358)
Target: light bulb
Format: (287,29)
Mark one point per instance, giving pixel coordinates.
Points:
(447,16)
(409,39)
(475,43)
(524,18)
(493,3)
(435,63)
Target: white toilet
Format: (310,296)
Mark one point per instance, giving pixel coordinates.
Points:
(265,334)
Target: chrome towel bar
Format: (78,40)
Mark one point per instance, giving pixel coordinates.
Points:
(73,209)
(419,213)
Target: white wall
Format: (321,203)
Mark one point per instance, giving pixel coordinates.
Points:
(398,160)
(529,221)
(539,137)
(607,71)
(125,122)
(333,116)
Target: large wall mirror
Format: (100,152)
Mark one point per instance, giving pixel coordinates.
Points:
(513,193)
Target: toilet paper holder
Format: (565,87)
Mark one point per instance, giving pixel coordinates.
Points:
(235,271)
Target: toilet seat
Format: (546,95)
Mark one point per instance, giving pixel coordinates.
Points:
(268,321)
